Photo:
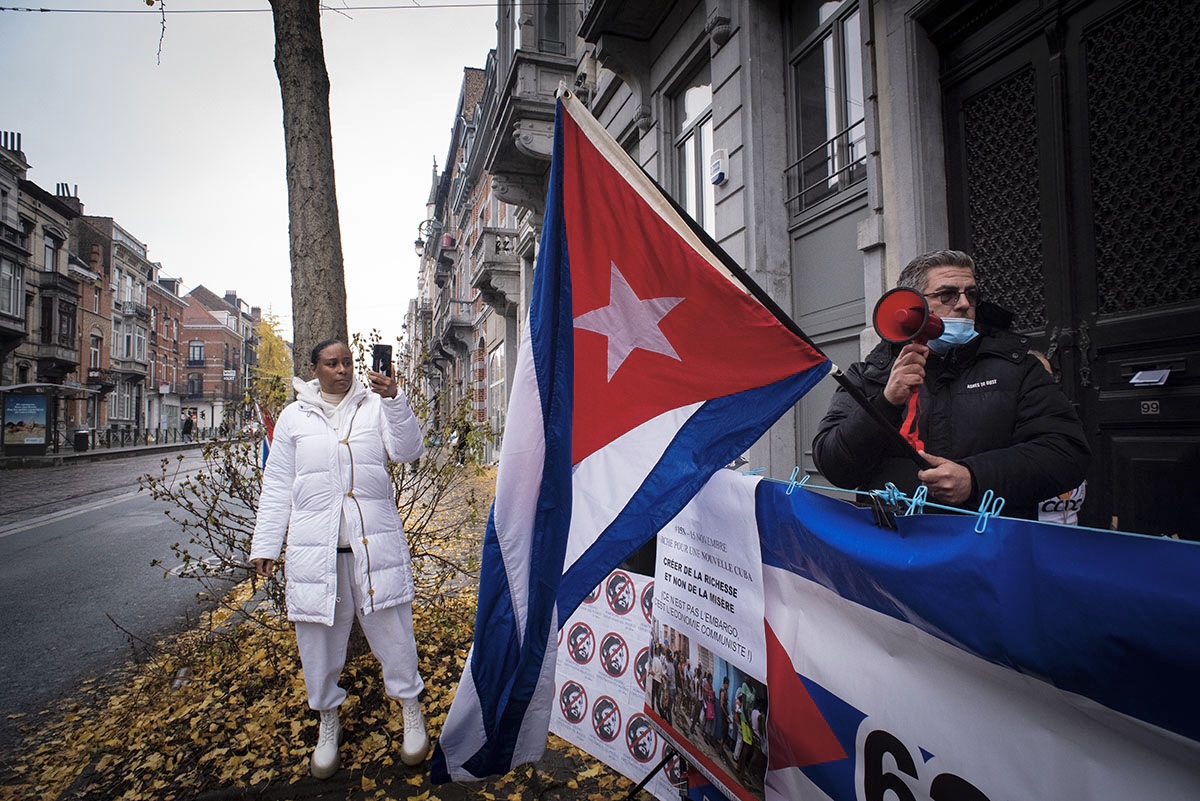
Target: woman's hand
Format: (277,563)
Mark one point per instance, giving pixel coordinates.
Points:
(382,384)
(263,567)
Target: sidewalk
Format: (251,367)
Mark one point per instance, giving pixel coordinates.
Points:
(67,457)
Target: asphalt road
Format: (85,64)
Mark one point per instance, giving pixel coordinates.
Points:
(76,545)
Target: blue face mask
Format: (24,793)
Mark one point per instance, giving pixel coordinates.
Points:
(959,331)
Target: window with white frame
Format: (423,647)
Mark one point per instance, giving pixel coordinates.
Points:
(195,353)
(826,98)
(12,288)
(52,244)
(692,142)
(497,402)
(139,343)
(94,352)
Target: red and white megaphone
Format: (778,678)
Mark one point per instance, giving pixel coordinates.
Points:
(901,316)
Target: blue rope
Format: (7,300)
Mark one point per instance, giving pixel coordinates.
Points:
(990,506)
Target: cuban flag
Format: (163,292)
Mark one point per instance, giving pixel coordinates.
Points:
(268,432)
(646,366)
(1031,661)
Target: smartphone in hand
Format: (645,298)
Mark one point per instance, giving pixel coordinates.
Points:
(381,359)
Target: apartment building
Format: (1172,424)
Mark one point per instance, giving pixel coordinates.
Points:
(825,144)
(220,335)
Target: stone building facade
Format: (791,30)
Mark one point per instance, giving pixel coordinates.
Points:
(852,136)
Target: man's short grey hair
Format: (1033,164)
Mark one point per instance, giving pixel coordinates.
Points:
(914,273)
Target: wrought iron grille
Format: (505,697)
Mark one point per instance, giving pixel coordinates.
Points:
(1143,114)
(1000,137)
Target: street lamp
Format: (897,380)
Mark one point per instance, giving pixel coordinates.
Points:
(426,230)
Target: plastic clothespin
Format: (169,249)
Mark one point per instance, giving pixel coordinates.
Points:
(916,504)
(890,494)
(984,513)
(792,480)
(754,471)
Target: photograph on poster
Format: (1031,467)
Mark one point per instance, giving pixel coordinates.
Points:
(714,711)
(24,419)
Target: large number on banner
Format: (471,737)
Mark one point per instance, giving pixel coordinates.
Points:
(878,780)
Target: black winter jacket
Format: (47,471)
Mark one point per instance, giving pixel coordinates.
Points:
(988,405)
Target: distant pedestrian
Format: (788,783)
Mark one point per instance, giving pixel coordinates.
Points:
(188,424)
(326,488)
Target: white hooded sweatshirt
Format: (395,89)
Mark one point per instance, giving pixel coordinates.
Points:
(327,471)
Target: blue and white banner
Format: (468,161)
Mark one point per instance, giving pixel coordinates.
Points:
(1031,661)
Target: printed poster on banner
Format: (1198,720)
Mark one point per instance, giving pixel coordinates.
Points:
(707,688)
(603,657)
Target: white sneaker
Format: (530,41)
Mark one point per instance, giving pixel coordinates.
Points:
(325,758)
(416,741)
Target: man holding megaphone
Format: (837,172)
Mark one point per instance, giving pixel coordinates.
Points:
(975,409)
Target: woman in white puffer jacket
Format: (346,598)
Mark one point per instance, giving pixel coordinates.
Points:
(326,488)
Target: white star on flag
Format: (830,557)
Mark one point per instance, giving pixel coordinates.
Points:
(629,322)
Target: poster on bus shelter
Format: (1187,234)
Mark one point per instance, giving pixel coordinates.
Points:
(24,420)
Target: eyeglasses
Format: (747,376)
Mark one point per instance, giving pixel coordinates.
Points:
(949,296)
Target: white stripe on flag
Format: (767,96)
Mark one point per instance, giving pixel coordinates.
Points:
(519,483)
(975,719)
(603,483)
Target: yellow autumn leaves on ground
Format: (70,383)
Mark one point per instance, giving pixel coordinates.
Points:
(222,707)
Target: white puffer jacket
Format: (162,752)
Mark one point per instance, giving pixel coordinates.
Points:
(315,474)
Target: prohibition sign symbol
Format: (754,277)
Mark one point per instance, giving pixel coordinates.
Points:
(641,738)
(572,699)
(648,601)
(614,654)
(641,666)
(606,719)
(674,766)
(581,643)
(593,595)
(621,593)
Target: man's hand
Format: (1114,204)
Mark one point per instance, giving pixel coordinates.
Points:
(908,373)
(263,567)
(947,481)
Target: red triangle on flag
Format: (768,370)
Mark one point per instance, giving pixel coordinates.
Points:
(797,733)
(693,335)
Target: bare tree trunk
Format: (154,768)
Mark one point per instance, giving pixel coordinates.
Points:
(318,278)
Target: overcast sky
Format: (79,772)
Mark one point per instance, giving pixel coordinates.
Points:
(187,154)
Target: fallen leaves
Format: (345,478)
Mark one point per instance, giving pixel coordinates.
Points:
(241,721)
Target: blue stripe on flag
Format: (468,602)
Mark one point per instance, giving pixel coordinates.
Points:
(1093,612)
(506,663)
(714,436)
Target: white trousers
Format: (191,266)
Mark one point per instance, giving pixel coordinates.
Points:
(389,633)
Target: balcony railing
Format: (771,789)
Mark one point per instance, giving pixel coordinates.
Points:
(54,283)
(827,169)
(131,308)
